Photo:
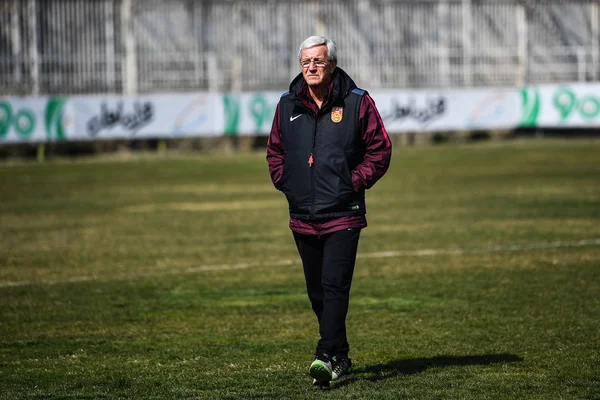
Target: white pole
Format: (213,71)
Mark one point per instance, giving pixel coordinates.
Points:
(595,40)
(581,63)
(83,59)
(522,37)
(293,65)
(110,44)
(130,57)
(442,44)
(16,41)
(368,75)
(237,65)
(320,26)
(236,60)
(213,72)
(467,45)
(33,48)
(196,26)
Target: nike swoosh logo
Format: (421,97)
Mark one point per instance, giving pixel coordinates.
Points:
(293,118)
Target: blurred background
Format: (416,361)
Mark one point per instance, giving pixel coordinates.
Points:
(135,47)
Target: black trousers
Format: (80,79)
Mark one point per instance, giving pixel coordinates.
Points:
(328,262)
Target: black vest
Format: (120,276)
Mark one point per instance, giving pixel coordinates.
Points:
(320,153)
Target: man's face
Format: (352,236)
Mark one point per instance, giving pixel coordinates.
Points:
(316,69)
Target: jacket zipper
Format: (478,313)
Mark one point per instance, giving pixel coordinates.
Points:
(311,161)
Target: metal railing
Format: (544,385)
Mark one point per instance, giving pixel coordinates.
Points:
(142,46)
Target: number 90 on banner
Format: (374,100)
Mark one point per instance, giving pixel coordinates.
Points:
(22,121)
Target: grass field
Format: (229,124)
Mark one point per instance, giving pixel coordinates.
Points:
(176,277)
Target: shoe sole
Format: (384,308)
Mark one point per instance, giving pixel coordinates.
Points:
(342,377)
(319,371)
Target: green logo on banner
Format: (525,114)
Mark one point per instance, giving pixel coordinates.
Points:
(232,114)
(257,106)
(260,110)
(54,118)
(566,103)
(23,121)
(530,107)
(5,118)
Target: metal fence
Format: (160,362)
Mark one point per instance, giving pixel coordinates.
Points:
(141,46)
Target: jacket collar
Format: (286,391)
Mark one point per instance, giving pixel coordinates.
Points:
(341,84)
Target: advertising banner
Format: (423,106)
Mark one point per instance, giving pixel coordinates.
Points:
(46,119)
(575,105)
(249,113)
(35,119)
(157,116)
(448,110)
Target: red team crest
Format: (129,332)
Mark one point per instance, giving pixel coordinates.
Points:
(336,114)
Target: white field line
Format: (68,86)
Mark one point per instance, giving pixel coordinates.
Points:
(381,254)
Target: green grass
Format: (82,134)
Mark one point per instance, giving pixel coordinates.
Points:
(176,277)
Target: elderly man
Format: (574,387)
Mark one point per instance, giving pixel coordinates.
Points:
(326,147)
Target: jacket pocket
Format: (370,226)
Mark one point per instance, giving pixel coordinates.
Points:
(345,181)
(296,180)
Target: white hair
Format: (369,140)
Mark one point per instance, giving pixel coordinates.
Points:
(318,41)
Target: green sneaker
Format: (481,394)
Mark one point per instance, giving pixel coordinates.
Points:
(342,369)
(321,368)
